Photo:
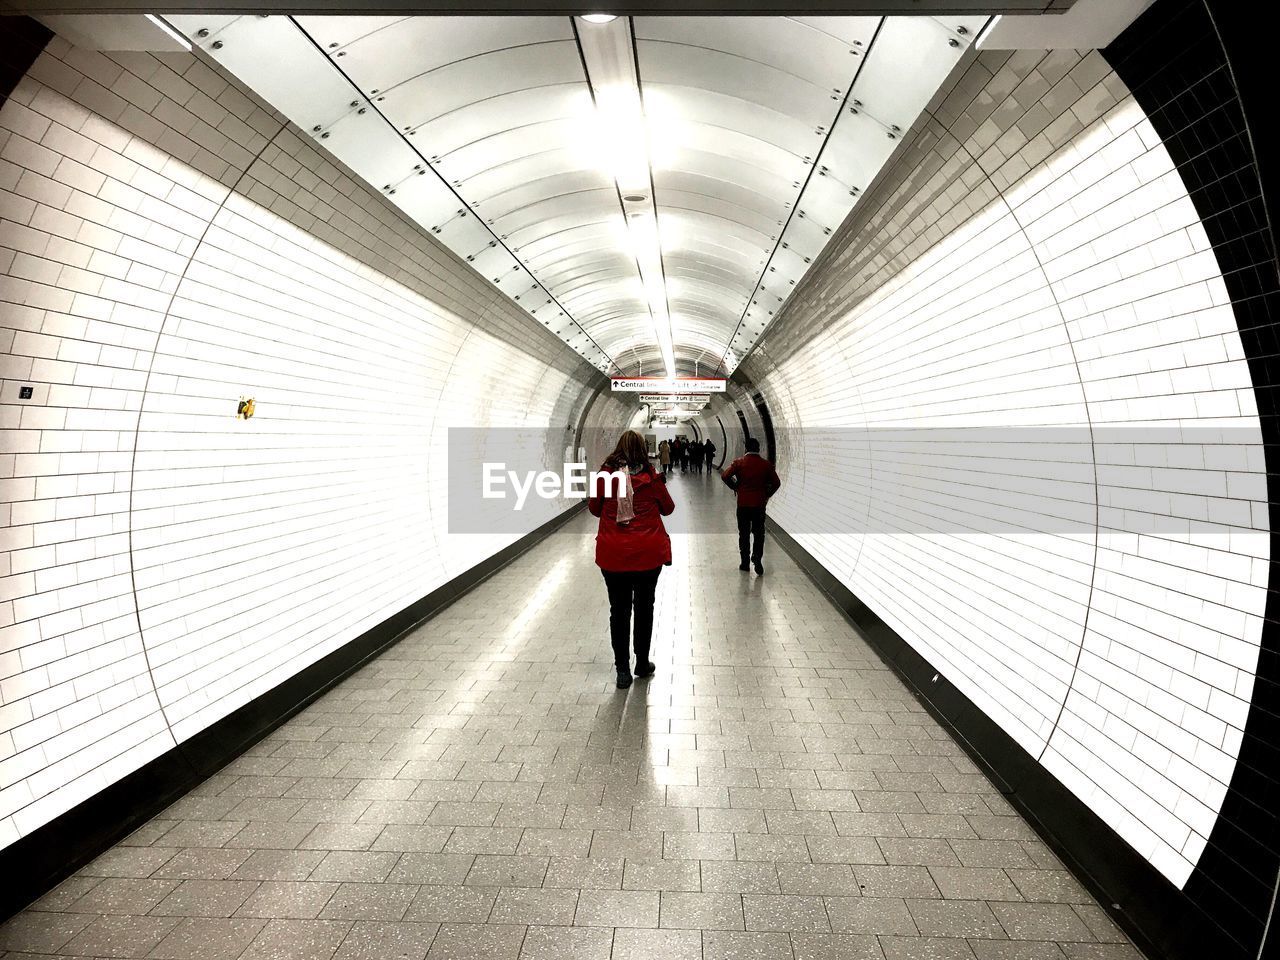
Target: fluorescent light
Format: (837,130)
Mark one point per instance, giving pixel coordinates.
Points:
(986,31)
(619,136)
(173,34)
(599,17)
(644,232)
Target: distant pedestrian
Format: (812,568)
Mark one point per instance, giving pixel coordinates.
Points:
(664,456)
(695,456)
(632,547)
(709,451)
(685,451)
(754,480)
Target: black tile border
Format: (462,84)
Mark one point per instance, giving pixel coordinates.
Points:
(1157,916)
(22,40)
(37,862)
(1202,70)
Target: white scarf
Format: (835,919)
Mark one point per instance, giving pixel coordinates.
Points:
(626,501)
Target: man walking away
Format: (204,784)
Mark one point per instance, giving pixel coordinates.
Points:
(709,451)
(664,456)
(695,455)
(754,480)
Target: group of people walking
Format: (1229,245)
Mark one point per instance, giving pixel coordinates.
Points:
(632,543)
(686,453)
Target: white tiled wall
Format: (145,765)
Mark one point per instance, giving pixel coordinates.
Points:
(168,247)
(1034,260)
(1050,271)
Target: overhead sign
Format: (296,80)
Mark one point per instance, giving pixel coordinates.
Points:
(668,384)
(672,411)
(702,398)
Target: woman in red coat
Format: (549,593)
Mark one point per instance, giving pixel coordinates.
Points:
(632,546)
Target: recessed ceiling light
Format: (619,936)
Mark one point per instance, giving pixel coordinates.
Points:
(635,198)
(599,17)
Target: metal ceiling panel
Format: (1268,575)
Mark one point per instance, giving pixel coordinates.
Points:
(789,45)
(679,65)
(734,176)
(758,132)
(909,64)
(364,142)
(667,103)
(531,136)
(425,45)
(413,100)
(519,108)
(344,30)
(545,167)
(748,222)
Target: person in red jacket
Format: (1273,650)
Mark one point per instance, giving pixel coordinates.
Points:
(632,546)
(754,480)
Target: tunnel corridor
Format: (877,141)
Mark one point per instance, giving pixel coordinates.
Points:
(314,315)
(481,790)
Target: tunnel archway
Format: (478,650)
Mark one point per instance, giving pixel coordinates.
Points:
(1053,240)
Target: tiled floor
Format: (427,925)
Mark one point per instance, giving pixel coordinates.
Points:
(483,791)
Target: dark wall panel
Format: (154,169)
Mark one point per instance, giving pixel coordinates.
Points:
(1200,72)
(21,40)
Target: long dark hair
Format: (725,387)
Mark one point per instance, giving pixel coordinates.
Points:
(631,452)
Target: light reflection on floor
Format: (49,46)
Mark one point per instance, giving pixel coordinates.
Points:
(482,790)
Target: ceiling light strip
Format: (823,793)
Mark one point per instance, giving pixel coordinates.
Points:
(817,162)
(372,104)
(666,329)
(607,50)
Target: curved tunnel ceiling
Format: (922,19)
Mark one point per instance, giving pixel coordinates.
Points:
(756,136)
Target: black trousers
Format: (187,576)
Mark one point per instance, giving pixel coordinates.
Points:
(628,591)
(751,523)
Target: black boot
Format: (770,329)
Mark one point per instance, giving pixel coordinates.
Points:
(645,668)
(624,679)
(759,568)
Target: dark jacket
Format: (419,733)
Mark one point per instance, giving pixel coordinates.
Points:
(643,542)
(753,478)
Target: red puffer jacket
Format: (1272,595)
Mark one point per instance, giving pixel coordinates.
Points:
(642,543)
(753,478)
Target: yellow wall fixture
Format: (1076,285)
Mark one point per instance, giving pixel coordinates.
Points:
(244,410)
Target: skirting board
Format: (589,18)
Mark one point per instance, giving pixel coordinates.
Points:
(43,858)
(1157,916)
